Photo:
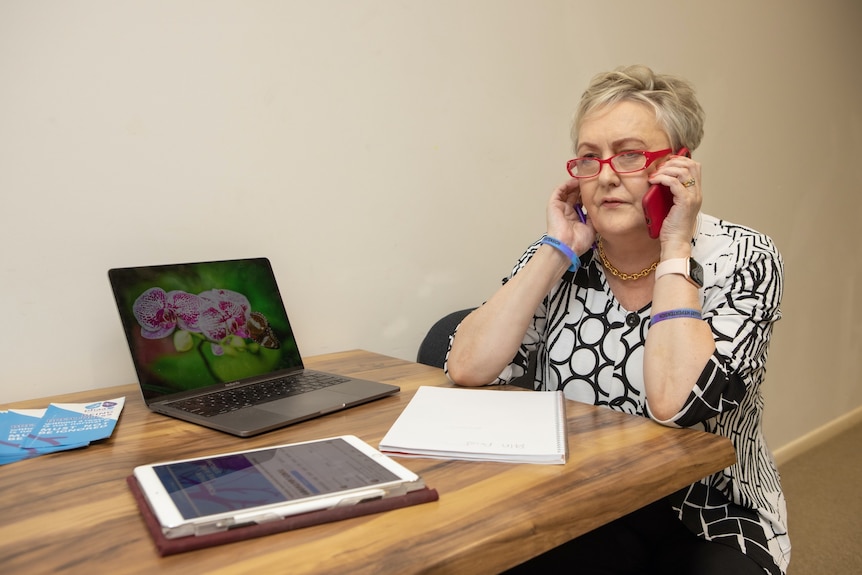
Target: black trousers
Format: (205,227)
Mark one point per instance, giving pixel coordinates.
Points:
(650,541)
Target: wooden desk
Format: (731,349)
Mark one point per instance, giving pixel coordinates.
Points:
(71,512)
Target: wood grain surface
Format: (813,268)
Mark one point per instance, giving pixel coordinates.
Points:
(71,512)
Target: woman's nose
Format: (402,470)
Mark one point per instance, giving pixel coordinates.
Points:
(606,174)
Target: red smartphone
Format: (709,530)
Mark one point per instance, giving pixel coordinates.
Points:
(657,202)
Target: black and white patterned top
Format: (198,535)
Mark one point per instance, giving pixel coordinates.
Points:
(592,348)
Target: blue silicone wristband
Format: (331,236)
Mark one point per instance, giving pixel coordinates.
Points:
(554,242)
(673,314)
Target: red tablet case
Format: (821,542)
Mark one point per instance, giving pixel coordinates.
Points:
(167,546)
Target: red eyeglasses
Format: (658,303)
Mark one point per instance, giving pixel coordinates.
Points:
(622,163)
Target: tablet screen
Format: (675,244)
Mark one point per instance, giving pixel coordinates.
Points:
(242,481)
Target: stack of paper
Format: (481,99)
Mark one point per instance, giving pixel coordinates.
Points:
(26,433)
(481,425)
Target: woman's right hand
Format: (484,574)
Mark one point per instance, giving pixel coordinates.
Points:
(563,221)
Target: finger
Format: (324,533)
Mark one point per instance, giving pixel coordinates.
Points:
(569,192)
(684,177)
(572,185)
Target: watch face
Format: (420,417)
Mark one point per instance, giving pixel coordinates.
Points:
(695,270)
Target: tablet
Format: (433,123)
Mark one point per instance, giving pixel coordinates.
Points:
(229,490)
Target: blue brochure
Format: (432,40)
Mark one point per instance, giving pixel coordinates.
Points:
(26,433)
(75,424)
(15,425)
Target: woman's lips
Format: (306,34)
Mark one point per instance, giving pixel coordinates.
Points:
(611,202)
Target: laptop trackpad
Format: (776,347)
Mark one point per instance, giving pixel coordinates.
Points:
(320,401)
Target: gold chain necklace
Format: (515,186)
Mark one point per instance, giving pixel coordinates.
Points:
(622,275)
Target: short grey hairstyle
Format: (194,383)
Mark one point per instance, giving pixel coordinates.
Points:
(676,107)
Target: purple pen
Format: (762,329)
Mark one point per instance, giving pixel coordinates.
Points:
(583,217)
(580,211)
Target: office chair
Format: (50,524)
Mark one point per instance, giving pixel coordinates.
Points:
(432,350)
(435,344)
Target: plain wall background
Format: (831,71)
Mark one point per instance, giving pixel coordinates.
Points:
(393,159)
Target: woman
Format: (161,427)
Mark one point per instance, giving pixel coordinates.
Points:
(674,328)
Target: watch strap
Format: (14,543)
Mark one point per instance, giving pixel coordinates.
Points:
(672,266)
(681,266)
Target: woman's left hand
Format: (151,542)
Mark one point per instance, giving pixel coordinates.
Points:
(682,176)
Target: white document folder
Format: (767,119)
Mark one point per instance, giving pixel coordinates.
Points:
(481,425)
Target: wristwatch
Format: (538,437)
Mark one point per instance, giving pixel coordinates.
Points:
(686,267)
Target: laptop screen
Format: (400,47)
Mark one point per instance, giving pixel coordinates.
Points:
(190,326)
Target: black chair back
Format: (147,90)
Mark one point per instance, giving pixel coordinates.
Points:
(432,350)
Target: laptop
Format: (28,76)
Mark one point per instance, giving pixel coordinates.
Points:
(212,345)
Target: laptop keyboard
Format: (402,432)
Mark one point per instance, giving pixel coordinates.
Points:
(232,399)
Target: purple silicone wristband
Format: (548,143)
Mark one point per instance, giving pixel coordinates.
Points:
(673,314)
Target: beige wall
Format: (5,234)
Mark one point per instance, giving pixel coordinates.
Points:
(393,159)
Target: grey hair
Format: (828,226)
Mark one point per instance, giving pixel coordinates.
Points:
(676,107)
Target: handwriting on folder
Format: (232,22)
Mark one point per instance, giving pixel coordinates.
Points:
(481,425)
